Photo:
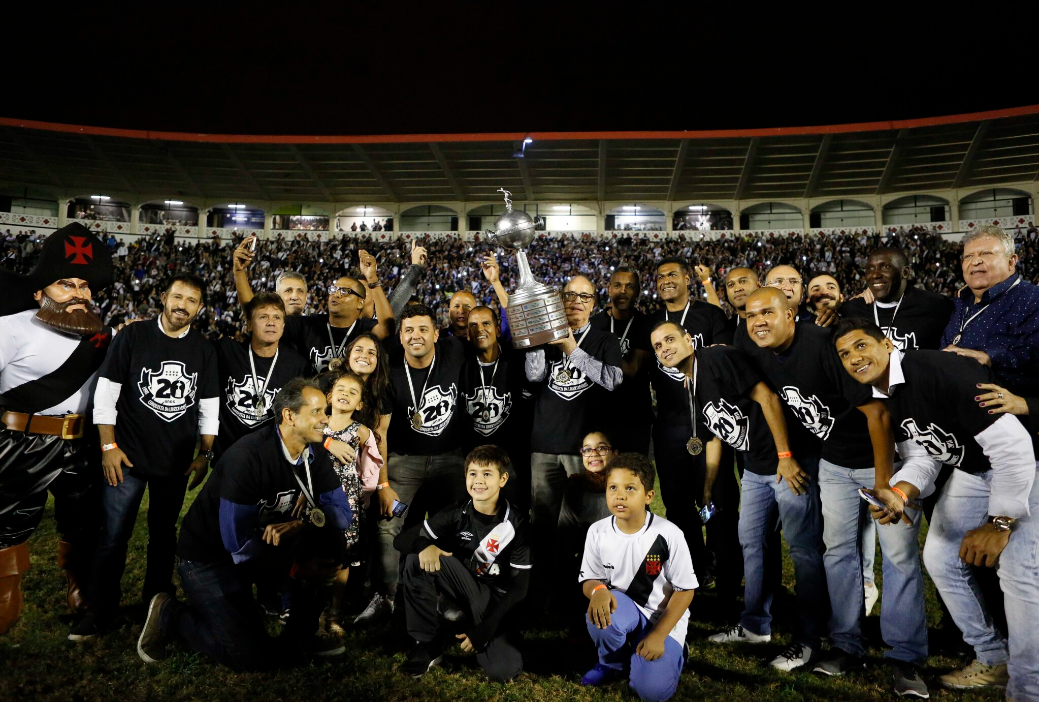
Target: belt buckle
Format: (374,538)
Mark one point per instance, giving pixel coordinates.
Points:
(65,422)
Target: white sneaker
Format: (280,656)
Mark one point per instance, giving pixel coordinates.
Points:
(378,609)
(872,595)
(737,634)
(793,656)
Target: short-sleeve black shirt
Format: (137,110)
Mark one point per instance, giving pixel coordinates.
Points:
(308,334)
(919,322)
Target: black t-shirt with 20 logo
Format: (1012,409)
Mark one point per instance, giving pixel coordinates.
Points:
(443,417)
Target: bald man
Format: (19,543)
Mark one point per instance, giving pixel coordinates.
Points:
(857,451)
(571,379)
(459,307)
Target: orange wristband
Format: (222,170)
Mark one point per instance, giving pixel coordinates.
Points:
(598,587)
(785,454)
(328,442)
(905,497)
(109,447)
(382,486)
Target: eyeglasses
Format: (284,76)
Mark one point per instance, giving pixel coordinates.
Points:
(596,450)
(572,296)
(336,290)
(776,282)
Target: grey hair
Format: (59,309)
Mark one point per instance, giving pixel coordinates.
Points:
(291,275)
(290,397)
(1002,235)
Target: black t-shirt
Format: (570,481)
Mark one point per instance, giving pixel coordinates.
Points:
(918,324)
(809,377)
(443,417)
(494,401)
(308,335)
(708,325)
(253,472)
(632,398)
(565,411)
(488,545)
(724,379)
(935,407)
(238,394)
(163,381)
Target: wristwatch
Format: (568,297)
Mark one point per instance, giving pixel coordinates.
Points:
(208,454)
(1003,523)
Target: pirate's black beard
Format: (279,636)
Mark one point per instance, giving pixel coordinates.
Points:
(77,322)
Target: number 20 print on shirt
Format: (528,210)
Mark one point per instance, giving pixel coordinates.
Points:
(438,406)
(169,391)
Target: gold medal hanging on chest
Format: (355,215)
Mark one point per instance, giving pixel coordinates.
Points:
(317,517)
(416,420)
(418,402)
(563,376)
(694,446)
(335,364)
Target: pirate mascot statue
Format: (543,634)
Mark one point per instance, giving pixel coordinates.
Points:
(51,345)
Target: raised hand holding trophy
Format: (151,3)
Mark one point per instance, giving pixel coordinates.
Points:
(535,310)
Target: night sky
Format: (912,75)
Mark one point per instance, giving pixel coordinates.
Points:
(296,68)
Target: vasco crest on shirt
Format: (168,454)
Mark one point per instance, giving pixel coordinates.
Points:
(653,565)
(241,400)
(321,358)
(438,406)
(567,385)
(728,423)
(169,391)
(940,444)
(488,409)
(902,342)
(810,410)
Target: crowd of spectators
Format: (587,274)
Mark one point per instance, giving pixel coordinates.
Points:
(143,265)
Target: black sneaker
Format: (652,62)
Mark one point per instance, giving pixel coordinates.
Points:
(87,628)
(423,656)
(908,683)
(838,662)
(151,646)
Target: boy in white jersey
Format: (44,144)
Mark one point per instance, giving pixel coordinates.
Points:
(638,577)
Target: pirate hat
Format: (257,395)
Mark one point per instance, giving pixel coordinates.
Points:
(70,252)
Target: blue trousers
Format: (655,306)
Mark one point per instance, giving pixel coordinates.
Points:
(652,681)
(765,503)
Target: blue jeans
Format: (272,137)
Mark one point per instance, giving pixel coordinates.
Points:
(764,504)
(120,504)
(653,681)
(903,618)
(963,506)
(221,618)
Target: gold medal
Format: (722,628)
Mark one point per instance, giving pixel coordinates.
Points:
(317,517)
(416,420)
(563,376)
(261,408)
(694,446)
(335,364)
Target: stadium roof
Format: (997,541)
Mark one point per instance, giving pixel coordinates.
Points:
(912,156)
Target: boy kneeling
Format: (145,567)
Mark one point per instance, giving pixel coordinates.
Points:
(476,554)
(638,577)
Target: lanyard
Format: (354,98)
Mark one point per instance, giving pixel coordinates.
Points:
(566,359)
(309,494)
(261,405)
(625,334)
(692,398)
(483,386)
(681,323)
(891,324)
(964,323)
(337,351)
(411,387)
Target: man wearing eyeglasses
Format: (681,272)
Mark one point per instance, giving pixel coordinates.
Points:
(570,378)
(323,338)
(787,279)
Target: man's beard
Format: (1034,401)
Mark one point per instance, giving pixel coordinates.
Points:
(78,322)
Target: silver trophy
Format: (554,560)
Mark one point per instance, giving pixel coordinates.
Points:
(535,310)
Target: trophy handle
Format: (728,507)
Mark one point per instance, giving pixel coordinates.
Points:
(496,240)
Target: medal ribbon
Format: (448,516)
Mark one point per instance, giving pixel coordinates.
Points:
(483,386)
(260,392)
(625,334)
(964,323)
(309,494)
(681,322)
(566,359)
(692,398)
(876,317)
(407,374)
(337,351)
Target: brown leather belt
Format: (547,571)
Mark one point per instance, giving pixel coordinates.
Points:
(70,426)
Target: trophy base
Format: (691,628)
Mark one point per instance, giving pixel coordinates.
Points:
(536,316)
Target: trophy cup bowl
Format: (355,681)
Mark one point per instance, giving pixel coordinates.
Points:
(535,310)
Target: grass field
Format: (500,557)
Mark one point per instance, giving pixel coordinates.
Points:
(37,662)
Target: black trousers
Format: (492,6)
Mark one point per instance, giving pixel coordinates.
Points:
(681,485)
(33,464)
(501,660)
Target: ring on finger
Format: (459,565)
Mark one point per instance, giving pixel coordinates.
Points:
(999,395)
